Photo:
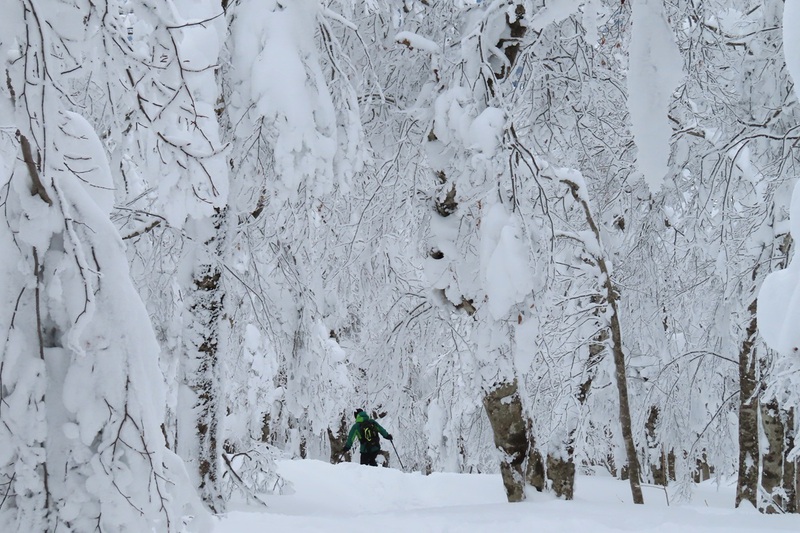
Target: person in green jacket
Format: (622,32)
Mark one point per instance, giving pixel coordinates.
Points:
(367,431)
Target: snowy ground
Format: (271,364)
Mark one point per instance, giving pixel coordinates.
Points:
(348,497)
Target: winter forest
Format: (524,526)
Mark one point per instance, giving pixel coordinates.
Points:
(535,237)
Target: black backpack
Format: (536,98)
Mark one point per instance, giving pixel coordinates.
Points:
(369,433)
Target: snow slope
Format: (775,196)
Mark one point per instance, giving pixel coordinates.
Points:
(348,497)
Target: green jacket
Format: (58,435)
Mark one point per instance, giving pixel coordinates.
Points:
(355,431)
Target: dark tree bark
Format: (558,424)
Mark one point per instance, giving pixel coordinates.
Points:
(338,440)
(561,473)
(201,375)
(778,470)
(658,469)
(789,465)
(534,473)
(747,483)
(772,458)
(205,384)
(703,470)
(778,474)
(622,390)
(504,409)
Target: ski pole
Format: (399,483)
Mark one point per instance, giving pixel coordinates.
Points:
(398,456)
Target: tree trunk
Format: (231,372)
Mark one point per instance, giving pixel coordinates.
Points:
(534,472)
(204,385)
(634,476)
(789,479)
(622,389)
(656,456)
(789,464)
(747,483)
(199,433)
(772,458)
(338,440)
(504,409)
(778,470)
(703,470)
(610,294)
(561,473)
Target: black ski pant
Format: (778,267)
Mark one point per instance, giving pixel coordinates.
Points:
(368,458)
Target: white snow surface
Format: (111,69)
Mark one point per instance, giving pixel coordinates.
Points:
(779,297)
(414,41)
(655,70)
(554,12)
(349,497)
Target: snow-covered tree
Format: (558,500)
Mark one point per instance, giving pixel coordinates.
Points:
(293,120)
(81,391)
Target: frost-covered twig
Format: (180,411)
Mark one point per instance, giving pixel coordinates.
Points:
(239,482)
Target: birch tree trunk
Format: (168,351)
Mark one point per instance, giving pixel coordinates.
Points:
(754,467)
(747,483)
(199,432)
(789,464)
(778,469)
(509,426)
(658,469)
(622,390)
(534,472)
(772,458)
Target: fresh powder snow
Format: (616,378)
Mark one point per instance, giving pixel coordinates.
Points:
(349,497)
(779,298)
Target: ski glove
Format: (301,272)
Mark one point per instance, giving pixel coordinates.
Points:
(347,449)
(389,437)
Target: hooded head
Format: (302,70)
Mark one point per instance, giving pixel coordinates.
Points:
(360,415)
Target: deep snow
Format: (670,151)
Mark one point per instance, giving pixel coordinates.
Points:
(348,497)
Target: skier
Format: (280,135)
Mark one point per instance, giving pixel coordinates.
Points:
(367,430)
